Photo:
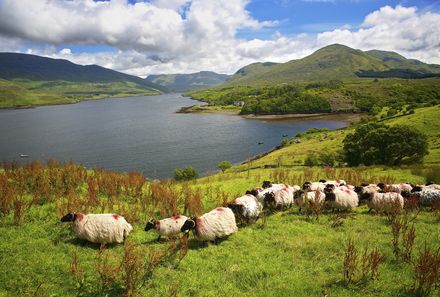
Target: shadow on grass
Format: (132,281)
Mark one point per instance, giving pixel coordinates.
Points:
(87,244)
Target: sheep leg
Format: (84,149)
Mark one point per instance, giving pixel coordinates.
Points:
(369,210)
(158,239)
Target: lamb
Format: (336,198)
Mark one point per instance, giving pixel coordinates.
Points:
(384,202)
(215,224)
(303,197)
(427,196)
(99,228)
(169,227)
(281,198)
(340,198)
(246,208)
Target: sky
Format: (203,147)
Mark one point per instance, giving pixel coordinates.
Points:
(185,36)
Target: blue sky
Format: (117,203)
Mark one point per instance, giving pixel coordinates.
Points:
(183,36)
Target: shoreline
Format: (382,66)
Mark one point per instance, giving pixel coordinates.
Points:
(348,117)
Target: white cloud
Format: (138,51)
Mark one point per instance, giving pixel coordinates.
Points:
(175,36)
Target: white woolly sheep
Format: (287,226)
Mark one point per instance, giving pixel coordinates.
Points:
(432,186)
(279,199)
(384,202)
(167,227)
(99,228)
(268,187)
(215,224)
(247,208)
(366,191)
(402,188)
(340,197)
(301,197)
(427,197)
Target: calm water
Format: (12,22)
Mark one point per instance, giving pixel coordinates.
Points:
(140,134)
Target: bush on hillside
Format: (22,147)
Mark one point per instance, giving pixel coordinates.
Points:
(223,165)
(388,145)
(187,173)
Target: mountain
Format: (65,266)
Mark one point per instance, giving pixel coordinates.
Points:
(334,62)
(185,82)
(36,68)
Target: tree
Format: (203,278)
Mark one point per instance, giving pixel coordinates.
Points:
(187,173)
(223,165)
(388,145)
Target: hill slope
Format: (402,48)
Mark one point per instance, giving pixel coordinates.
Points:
(31,67)
(334,62)
(29,80)
(185,82)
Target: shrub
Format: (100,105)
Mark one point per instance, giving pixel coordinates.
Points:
(223,165)
(187,173)
(311,160)
(380,144)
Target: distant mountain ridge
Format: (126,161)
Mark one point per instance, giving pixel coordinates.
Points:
(32,67)
(185,82)
(334,62)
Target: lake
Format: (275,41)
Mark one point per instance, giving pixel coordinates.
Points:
(141,134)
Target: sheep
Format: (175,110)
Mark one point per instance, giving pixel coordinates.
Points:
(302,198)
(217,223)
(337,183)
(383,202)
(167,227)
(246,207)
(366,191)
(427,196)
(308,186)
(432,186)
(402,188)
(99,228)
(279,199)
(340,198)
(268,187)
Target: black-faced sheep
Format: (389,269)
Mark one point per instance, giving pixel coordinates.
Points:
(167,227)
(279,199)
(99,228)
(215,224)
(304,198)
(246,208)
(384,202)
(341,198)
(402,188)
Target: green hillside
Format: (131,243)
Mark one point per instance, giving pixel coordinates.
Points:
(331,62)
(323,96)
(29,80)
(185,82)
(285,253)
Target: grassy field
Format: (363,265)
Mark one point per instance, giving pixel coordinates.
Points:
(27,93)
(283,254)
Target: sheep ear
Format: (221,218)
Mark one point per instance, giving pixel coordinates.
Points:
(322,181)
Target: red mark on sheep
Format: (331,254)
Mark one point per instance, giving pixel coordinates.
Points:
(176,217)
(79,216)
(219,209)
(116,216)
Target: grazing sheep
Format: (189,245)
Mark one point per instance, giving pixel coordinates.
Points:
(166,227)
(366,191)
(282,198)
(308,186)
(215,224)
(268,187)
(301,197)
(340,198)
(402,188)
(99,228)
(384,202)
(246,207)
(427,197)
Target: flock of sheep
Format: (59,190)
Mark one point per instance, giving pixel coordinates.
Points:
(222,221)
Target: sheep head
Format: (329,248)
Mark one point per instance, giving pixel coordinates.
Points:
(253,192)
(266,184)
(189,224)
(329,193)
(322,181)
(70,217)
(298,194)
(381,185)
(306,185)
(269,199)
(416,189)
(150,225)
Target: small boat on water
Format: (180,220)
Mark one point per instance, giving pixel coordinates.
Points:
(285,135)
(24,156)
(260,142)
